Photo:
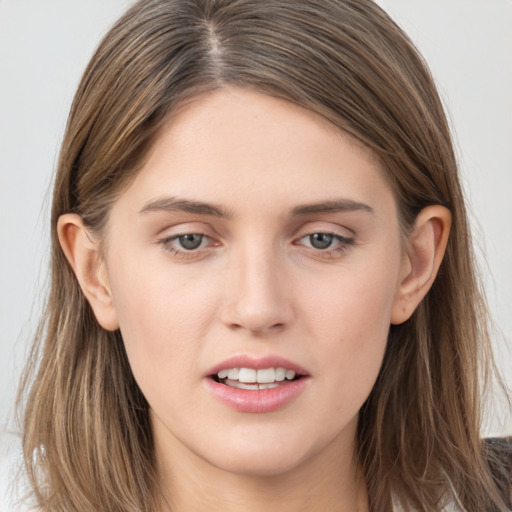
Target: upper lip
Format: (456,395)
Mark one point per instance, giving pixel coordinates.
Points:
(257,363)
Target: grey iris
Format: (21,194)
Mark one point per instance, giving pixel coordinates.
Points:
(190,241)
(321,240)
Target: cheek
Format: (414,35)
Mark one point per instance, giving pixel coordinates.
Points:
(349,320)
(163,318)
(354,302)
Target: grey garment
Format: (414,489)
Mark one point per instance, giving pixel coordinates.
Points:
(499,454)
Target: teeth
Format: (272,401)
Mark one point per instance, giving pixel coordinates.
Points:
(270,385)
(290,374)
(247,375)
(267,375)
(280,374)
(252,387)
(233,373)
(252,376)
(241,385)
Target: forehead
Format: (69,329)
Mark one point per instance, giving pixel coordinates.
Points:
(246,150)
(254,116)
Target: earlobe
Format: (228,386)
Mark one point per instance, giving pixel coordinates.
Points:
(84,257)
(426,246)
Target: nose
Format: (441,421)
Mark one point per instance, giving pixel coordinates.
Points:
(257,295)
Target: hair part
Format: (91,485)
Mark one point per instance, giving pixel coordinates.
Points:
(87,436)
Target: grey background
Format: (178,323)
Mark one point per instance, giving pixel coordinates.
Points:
(44,47)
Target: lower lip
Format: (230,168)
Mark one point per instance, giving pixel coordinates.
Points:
(261,400)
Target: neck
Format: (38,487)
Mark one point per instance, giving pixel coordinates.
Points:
(332,481)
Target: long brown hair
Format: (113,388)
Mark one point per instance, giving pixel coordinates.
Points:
(87,437)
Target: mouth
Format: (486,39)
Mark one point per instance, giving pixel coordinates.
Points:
(256,379)
(252,384)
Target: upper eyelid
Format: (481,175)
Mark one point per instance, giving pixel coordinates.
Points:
(206,230)
(297,236)
(331,233)
(186,228)
(316,225)
(342,240)
(331,229)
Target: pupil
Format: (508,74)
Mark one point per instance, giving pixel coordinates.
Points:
(191,241)
(321,240)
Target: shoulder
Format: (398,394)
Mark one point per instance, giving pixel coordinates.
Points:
(498,451)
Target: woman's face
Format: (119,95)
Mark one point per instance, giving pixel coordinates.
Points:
(256,236)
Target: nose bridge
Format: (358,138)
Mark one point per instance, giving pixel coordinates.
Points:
(257,298)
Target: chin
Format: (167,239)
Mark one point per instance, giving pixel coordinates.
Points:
(261,457)
(266,465)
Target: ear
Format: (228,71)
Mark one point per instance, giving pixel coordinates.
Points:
(83,254)
(425,248)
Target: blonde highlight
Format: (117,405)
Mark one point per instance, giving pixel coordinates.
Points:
(87,436)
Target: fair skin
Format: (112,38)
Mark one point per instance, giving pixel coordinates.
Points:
(297,257)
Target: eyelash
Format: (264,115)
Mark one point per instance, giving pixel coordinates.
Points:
(184,253)
(344,243)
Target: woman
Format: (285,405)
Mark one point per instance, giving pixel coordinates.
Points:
(263,292)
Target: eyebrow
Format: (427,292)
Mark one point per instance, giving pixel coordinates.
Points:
(201,208)
(337,205)
(184,205)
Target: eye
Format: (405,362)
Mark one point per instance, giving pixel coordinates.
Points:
(321,240)
(186,244)
(328,243)
(190,241)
